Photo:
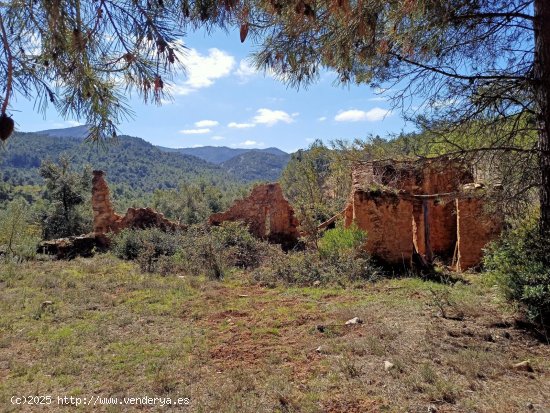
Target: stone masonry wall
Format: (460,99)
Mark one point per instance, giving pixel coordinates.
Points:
(419,205)
(105,219)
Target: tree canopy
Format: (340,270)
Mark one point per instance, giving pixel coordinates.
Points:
(83,56)
(475,67)
(446,63)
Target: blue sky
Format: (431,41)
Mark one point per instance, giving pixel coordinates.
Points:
(223,102)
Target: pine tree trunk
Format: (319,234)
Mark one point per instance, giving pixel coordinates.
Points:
(542,79)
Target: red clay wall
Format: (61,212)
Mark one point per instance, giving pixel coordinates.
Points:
(387,219)
(474,230)
(442,221)
(425,191)
(106,220)
(104,215)
(267,213)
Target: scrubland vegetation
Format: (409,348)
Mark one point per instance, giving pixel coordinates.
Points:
(246,343)
(237,324)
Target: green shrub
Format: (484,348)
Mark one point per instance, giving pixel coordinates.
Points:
(307,267)
(340,241)
(213,250)
(145,246)
(19,236)
(243,250)
(522,267)
(203,252)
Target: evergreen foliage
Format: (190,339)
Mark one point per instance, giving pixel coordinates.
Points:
(66,191)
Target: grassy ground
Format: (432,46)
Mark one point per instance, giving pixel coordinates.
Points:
(99,327)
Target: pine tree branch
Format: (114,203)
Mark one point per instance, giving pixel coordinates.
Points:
(457,75)
(9,74)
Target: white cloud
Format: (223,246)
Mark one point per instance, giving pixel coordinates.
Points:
(217,138)
(245,70)
(438,104)
(194,131)
(271,117)
(378,99)
(73,123)
(65,124)
(202,70)
(197,146)
(206,123)
(322,119)
(236,125)
(355,115)
(248,144)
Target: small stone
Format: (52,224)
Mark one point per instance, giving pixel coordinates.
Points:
(46,304)
(523,366)
(316,283)
(489,337)
(388,365)
(530,406)
(319,349)
(432,409)
(354,320)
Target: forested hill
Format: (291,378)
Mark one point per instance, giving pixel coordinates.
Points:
(130,161)
(257,165)
(220,154)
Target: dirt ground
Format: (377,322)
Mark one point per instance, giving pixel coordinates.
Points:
(98,327)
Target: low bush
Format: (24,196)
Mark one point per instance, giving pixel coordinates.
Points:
(342,242)
(308,267)
(213,250)
(19,236)
(145,246)
(520,263)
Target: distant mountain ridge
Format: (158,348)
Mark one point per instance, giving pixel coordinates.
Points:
(256,165)
(220,154)
(135,162)
(78,132)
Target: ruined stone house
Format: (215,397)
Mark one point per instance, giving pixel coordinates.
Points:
(267,213)
(421,209)
(107,220)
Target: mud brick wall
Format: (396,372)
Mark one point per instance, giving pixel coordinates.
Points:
(387,219)
(429,189)
(418,227)
(267,213)
(442,221)
(475,228)
(443,176)
(106,220)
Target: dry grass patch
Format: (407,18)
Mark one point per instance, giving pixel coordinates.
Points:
(233,346)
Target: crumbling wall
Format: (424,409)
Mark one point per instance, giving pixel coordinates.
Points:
(475,229)
(442,226)
(387,219)
(106,220)
(425,215)
(267,213)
